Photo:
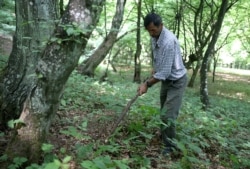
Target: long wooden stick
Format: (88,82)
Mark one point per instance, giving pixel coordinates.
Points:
(124,112)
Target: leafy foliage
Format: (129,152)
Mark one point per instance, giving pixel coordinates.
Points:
(214,138)
(7,21)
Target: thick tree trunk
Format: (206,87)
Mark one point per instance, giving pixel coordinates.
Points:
(204,67)
(49,71)
(99,55)
(35,23)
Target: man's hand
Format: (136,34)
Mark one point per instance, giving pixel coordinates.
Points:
(142,89)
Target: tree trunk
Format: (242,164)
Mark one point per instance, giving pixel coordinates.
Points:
(201,35)
(45,72)
(28,43)
(214,67)
(203,72)
(99,55)
(137,73)
(194,74)
(178,18)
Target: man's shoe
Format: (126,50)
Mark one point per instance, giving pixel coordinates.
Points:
(167,151)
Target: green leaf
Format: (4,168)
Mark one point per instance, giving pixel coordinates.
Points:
(4,158)
(11,124)
(121,164)
(195,148)
(247,145)
(65,166)
(47,148)
(88,165)
(52,166)
(63,102)
(72,131)
(193,159)
(16,124)
(19,160)
(63,150)
(84,125)
(67,159)
(99,163)
(34,166)
(70,31)
(148,136)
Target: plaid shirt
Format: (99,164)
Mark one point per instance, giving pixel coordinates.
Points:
(168,64)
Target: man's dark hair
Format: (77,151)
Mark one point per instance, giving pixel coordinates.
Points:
(154,18)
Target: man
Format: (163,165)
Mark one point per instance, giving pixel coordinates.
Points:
(169,69)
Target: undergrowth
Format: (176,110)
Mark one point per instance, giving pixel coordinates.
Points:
(216,138)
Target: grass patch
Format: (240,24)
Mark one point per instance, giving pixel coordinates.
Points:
(228,84)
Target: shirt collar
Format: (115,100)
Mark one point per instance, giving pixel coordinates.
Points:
(158,42)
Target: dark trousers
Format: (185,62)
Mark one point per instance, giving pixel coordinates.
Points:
(171,98)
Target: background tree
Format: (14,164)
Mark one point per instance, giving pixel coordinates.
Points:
(40,65)
(88,67)
(203,15)
(241,32)
(209,51)
(7,21)
(137,72)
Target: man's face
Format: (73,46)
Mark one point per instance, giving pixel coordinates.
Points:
(153,30)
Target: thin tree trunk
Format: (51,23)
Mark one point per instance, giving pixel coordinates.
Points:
(203,72)
(214,68)
(137,73)
(99,55)
(194,74)
(201,37)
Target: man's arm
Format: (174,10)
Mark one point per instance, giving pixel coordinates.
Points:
(143,88)
(151,81)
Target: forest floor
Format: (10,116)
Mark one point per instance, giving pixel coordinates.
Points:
(97,133)
(99,129)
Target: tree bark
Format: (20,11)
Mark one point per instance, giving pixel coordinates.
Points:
(99,55)
(137,73)
(194,74)
(204,67)
(35,23)
(47,70)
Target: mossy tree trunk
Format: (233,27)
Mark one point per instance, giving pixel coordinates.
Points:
(43,57)
(35,23)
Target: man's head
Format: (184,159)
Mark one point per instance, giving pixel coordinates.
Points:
(153,24)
